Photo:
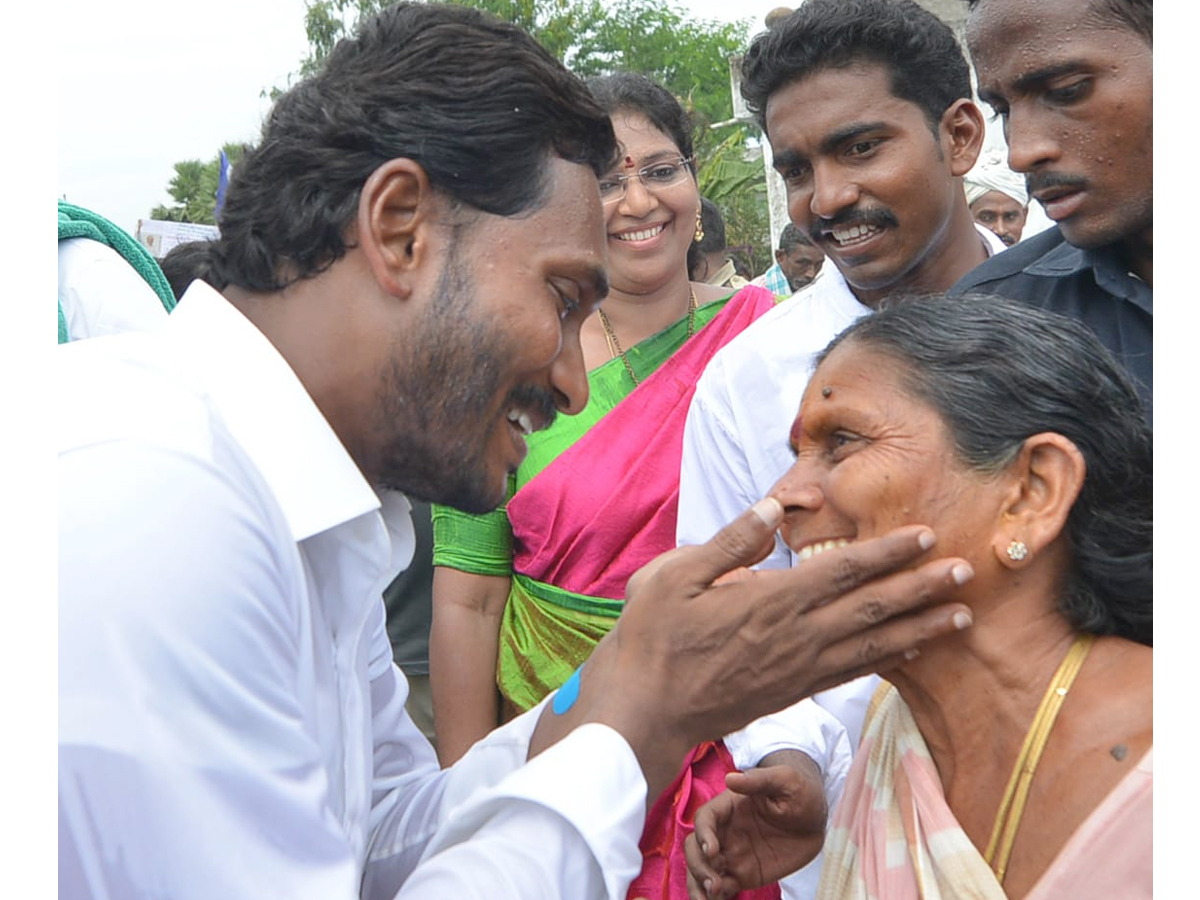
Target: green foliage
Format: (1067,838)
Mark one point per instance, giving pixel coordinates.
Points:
(731,176)
(194,189)
(689,56)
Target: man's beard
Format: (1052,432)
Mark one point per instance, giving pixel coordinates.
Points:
(438,403)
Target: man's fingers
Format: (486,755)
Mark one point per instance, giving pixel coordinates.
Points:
(889,644)
(859,611)
(704,826)
(750,782)
(840,571)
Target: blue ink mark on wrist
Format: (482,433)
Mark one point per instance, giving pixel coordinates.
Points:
(567,694)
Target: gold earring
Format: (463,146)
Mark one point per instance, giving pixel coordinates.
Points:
(1017,551)
(699,228)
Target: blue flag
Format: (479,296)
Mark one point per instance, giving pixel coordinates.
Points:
(222,185)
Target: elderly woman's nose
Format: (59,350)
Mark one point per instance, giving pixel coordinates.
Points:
(798,489)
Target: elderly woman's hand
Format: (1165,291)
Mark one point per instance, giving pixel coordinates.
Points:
(769,823)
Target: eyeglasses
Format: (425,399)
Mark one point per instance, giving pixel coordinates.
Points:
(662,174)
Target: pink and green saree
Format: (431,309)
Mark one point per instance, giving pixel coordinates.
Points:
(596,499)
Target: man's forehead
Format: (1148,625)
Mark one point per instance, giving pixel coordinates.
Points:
(865,86)
(992,25)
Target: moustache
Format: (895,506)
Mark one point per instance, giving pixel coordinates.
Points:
(535,399)
(1041,181)
(876,217)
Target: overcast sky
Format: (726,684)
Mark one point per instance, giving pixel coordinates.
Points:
(149,84)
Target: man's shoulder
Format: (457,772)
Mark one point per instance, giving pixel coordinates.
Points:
(131,389)
(1011,263)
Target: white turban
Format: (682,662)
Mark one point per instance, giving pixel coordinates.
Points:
(992,173)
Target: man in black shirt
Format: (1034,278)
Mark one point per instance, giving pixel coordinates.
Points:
(1074,84)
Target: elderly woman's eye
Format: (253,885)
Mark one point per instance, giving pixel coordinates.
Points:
(840,443)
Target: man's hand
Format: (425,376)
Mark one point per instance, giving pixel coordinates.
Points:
(768,824)
(691,659)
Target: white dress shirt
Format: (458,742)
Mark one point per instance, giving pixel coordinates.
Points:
(230,721)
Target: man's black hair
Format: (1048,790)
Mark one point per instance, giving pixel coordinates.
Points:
(917,48)
(474,100)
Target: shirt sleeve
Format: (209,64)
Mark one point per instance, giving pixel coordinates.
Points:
(479,544)
(185,770)
(566,824)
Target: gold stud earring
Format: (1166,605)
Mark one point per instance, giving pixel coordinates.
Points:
(1017,551)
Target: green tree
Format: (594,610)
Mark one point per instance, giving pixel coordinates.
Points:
(194,189)
(733,179)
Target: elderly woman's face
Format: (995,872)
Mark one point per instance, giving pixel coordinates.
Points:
(870,457)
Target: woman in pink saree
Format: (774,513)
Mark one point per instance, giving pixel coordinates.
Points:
(522,595)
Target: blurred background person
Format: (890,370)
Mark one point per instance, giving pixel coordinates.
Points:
(997,197)
(797,263)
(709,261)
(107,282)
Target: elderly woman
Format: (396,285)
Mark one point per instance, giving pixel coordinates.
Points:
(1014,760)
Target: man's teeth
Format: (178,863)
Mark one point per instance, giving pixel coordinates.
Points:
(841,235)
(521,420)
(643,235)
(813,549)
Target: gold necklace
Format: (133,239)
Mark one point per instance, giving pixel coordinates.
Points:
(614,346)
(1008,818)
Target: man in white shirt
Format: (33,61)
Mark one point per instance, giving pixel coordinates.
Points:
(394,303)
(867,105)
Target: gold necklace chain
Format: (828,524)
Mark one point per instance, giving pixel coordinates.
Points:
(1008,818)
(614,346)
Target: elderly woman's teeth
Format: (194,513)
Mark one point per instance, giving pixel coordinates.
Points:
(813,549)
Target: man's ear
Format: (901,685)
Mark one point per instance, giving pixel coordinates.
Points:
(394,209)
(779,256)
(1047,476)
(962,133)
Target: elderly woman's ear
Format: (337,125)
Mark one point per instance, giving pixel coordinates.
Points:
(1046,478)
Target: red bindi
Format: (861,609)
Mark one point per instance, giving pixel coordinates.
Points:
(794,434)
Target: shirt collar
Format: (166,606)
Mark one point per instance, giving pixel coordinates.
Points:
(1106,265)
(272,417)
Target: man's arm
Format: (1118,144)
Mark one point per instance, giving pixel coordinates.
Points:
(772,828)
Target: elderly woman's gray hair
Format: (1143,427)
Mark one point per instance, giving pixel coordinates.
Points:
(999,372)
